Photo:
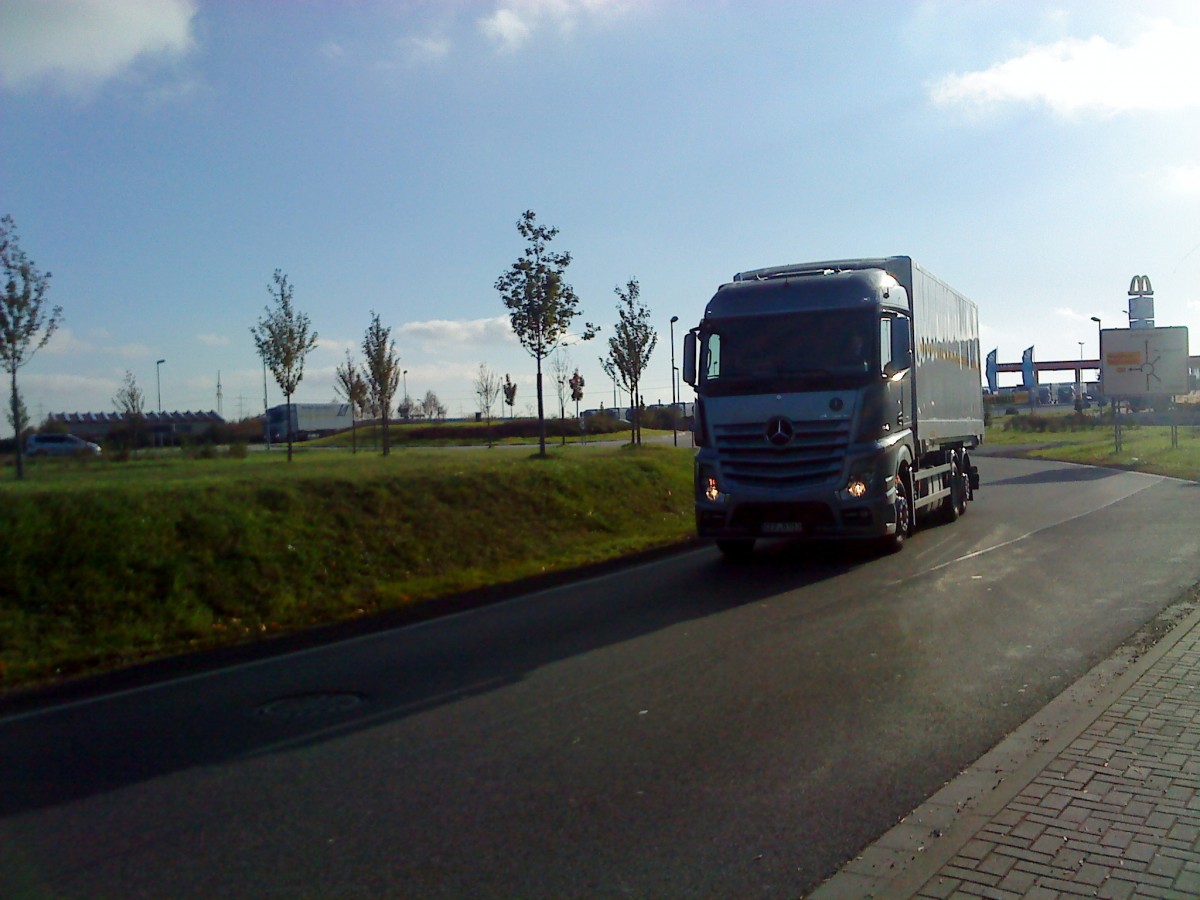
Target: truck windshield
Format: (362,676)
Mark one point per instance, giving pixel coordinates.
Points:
(813,350)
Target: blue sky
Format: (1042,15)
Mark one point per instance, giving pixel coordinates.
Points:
(163,157)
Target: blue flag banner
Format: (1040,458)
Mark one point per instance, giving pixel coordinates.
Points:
(1027,372)
(990,371)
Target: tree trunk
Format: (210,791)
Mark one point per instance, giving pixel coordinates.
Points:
(16,428)
(541,412)
(289,426)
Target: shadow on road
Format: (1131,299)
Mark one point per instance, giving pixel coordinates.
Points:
(1059,476)
(97,744)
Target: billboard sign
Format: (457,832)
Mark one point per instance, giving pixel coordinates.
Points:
(1141,362)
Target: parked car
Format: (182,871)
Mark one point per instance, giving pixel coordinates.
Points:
(59,445)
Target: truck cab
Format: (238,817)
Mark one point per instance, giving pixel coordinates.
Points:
(807,413)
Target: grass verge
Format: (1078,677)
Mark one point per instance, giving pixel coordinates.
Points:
(106,565)
(1090,440)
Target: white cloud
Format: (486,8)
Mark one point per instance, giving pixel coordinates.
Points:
(1184,179)
(474,333)
(338,347)
(213,340)
(64,342)
(1158,71)
(508,28)
(514,22)
(78,44)
(425,49)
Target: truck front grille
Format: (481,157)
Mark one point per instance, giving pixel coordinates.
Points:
(813,456)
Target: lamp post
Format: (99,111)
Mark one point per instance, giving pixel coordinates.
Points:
(404,375)
(674,411)
(158,380)
(1079,380)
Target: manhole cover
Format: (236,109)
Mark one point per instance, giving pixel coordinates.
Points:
(306,706)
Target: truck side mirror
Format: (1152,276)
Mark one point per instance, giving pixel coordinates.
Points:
(689,358)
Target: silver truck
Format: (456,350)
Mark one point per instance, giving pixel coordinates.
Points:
(834,400)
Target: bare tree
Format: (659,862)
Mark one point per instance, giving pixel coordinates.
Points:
(487,391)
(560,369)
(25,324)
(381,372)
(130,401)
(432,408)
(540,302)
(630,348)
(283,339)
(349,383)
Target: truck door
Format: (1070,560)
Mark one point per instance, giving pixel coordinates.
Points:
(895,362)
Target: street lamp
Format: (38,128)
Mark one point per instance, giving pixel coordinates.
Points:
(1079,380)
(674,411)
(158,379)
(404,375)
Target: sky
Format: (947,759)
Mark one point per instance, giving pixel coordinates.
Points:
(162,158)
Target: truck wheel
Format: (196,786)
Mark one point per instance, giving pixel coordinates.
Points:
(955,504)
(736,550)
(894,543)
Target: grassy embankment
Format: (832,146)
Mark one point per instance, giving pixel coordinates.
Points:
(106,564)
(1089,439)
(103,564)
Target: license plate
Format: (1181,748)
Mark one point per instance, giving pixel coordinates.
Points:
(782,527)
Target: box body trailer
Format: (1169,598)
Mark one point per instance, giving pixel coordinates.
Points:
(309,420)
(834,400)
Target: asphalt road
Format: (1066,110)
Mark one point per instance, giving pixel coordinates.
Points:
(682,728)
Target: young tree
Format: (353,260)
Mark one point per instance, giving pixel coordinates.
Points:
(381,372)
(432,408)
(406,408)
(349,383)
(560,368)
(487,391)
(283,339)
(630,348)
(540,302)
(130,402)
(25,324)
(510,394)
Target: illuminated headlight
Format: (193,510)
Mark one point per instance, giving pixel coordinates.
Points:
(862,479)
(709,489)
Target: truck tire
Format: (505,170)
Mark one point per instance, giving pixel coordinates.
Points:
(955,504)
(894,543)
(737,549)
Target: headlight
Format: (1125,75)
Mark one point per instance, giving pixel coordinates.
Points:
(711,491)
(706,484)
(863,478)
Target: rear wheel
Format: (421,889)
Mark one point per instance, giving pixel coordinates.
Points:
(956,503)
(736,550)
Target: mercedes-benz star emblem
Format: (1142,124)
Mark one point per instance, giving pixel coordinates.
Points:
(780,431)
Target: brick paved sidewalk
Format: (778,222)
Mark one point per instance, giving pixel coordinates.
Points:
(1107,807)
